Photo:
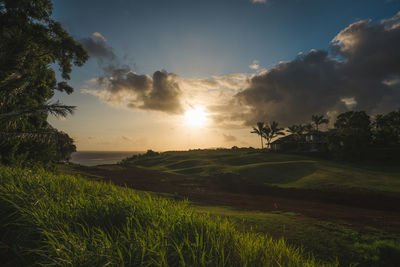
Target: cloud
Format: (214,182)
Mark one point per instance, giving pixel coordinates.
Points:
(163,91)
(360,70)
(361,73)
(98,36)
(96,47)
(229,138)
(126,138)
(258,1)
(121,86)
(255,65)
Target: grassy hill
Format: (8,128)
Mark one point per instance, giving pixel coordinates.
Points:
(274,169)
(61,220)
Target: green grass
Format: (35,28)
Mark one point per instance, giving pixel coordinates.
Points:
(275,169)
(325,240)
(61,220)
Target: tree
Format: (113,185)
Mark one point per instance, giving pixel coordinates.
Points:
(318,120)
(352,134)
(386,129)
(297,131)
(308,128)
(30,43)
(259,130)
(271,131)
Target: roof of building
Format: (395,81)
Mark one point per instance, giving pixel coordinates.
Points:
(286,138)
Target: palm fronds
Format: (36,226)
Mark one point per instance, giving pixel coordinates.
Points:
(56,109)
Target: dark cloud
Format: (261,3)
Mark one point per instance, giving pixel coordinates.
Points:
(160,92)
(365,62)
(96,47)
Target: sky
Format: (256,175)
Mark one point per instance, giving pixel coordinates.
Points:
(177,75)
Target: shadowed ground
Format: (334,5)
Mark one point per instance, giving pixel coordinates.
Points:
(357,208)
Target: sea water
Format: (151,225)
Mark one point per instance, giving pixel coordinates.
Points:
(93,158)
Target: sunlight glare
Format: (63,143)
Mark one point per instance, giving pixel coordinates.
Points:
(196,117)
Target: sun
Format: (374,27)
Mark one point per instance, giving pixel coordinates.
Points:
(196,117)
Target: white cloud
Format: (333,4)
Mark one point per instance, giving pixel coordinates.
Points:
(350,102)
(258,1)
(99,36)
(255,65)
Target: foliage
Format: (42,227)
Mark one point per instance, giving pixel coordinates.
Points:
(318,120)
(62,220)
(30,43)
(271,130)
(31,148)
(296,130)
(352,136)
(149,154)
(259,131)
(386,129)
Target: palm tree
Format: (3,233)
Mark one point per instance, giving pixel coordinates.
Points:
(9,121)
(259,130)
(318,120)
(307,128)
(271,131)
(296,130)
(57,109)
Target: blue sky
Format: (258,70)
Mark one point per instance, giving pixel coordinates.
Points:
(202,38)
(195,40)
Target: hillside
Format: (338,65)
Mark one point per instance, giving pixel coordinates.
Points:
(55,220)
(283,170)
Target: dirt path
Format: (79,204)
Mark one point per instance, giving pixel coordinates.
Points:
(356,209)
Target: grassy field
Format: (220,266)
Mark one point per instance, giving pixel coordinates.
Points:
(275,169)
(325,240)
(61,220)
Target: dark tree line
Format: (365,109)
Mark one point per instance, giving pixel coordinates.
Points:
(267,131)
(355,135)
(30,43)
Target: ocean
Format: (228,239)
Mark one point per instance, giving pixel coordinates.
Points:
(92,158)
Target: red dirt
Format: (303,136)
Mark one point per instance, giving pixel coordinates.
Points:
(357,209)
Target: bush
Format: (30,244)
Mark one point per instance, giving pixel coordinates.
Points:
(149,154)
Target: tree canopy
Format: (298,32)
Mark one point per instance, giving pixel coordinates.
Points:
(259,131)
(31,44)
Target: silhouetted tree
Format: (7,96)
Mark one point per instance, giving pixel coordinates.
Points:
(352,134)
(271,130)
(386,129)
(308,127)
(30,43)
(318,120)
(297,131)
(259,130)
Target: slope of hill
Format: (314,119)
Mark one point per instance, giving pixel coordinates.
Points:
(278,169)
(53,220)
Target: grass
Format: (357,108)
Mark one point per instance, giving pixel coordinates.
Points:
(325,240)
(275,169)
(62,220)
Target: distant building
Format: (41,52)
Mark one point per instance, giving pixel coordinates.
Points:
(286,142)
(314,141)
